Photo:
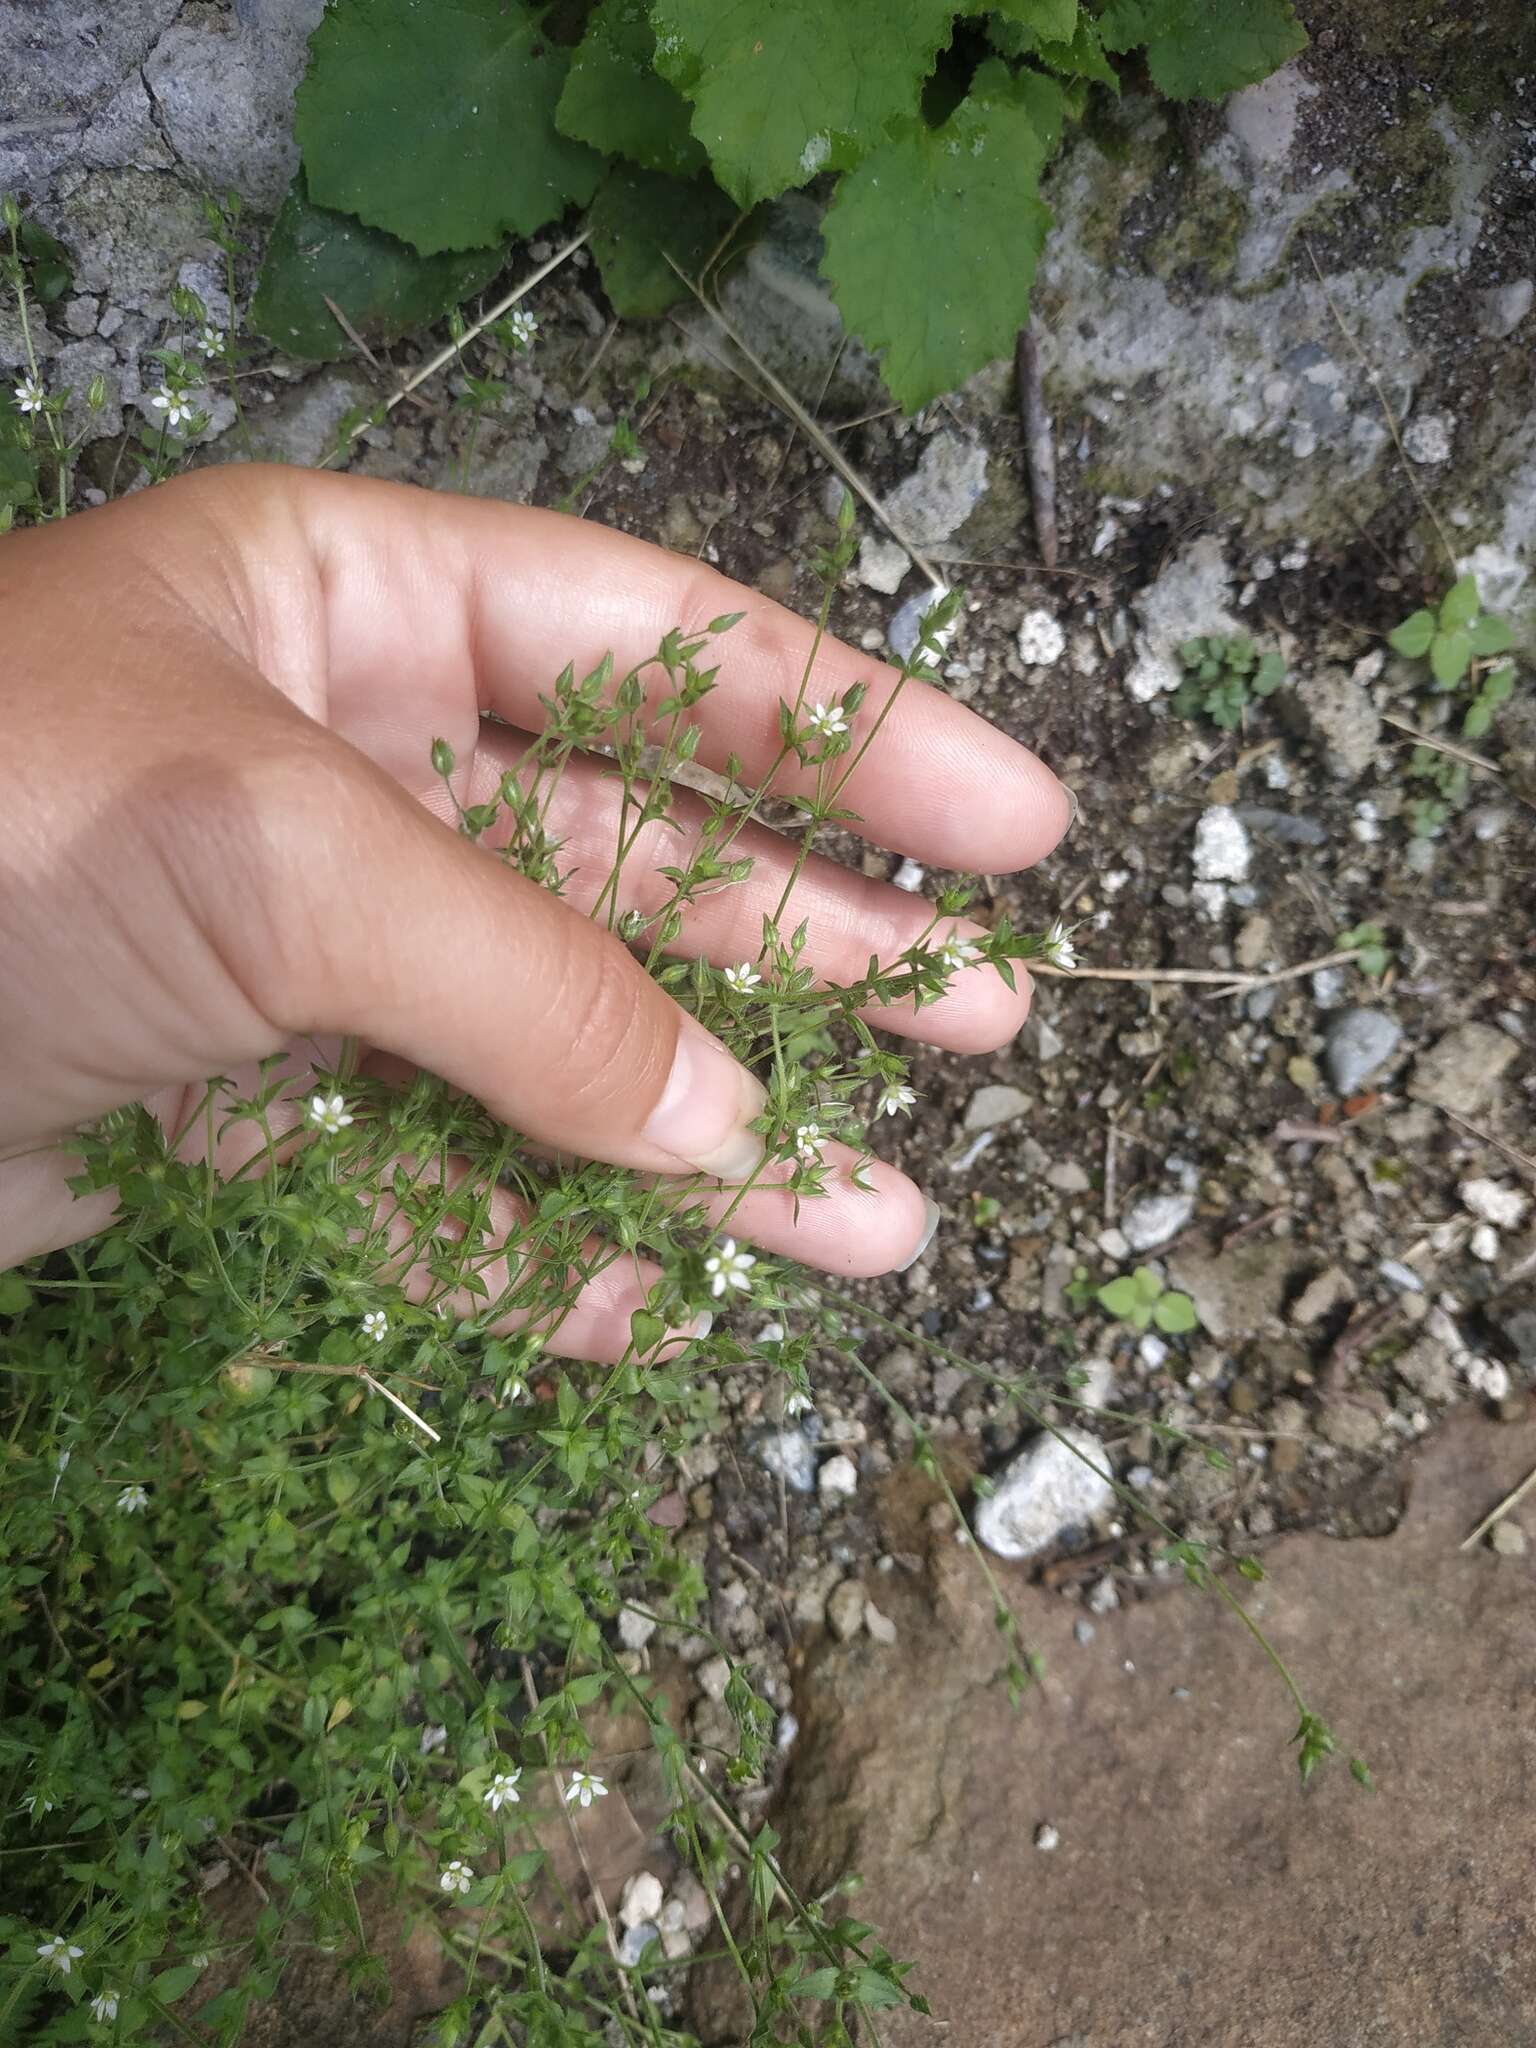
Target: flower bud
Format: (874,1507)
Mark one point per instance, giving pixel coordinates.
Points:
(442,758)
(96,392)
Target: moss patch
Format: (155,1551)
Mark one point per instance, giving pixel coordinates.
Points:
(1204,233)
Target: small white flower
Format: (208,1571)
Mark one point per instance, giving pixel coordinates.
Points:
(728,1268)
(328,1113)
(456,1877)
(376,1325)
(584,1788)
(959,951)
(104,2008)
(742,977)
(176,405)
(808,1143)
(895,1099)
(30,395)
(827,720)
(59,1954)
(133,1498)
(60,1467)
(503,1790)
(513,1390)
(1057,946)
(200,1960)
(522,327)
(433,1738)
(797,1403)
(210,341)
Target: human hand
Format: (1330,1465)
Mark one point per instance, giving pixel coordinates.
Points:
(225,837)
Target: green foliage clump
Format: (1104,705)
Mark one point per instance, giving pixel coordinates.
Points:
(1144,1299)
(1461,643)
(1222,671)
(430,135)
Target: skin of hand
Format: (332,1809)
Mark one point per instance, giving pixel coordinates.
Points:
(223,837)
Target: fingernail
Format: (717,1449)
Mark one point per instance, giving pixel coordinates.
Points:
(932,1217)
(1076,808)
(703,1116)
(702,1326)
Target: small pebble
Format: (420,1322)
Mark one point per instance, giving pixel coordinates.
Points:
(1508,1539)
(1084,1631)
(838,1479)
(1041,640)
(1484,1243)
(1046,1837)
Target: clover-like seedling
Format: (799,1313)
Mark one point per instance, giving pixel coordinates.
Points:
(1221,673)
(1453,636)
(1143,1299)
(1370,942)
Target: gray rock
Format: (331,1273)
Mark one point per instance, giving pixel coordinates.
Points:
(1323,1296)
(1429,438)
(635,1628)
(300,426)
(788,1455)
(901,633)
(995,1104)
(124,134)
(509,471)
(1285,826)
(845,1610)
(1518,1328)
(1501,309)
(1352,1423)
(1358,1042)
(1048,1495)
(69,56)
(1461,1072)
(1238,1291)
(1068,1178)
(1336,714)
(950,480)
(129,232)
(1153,1220)
(637,1940)
(1427,1367)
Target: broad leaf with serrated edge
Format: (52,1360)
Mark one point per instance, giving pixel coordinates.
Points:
(638,220)
(614,99)
(382,286)
(932,240)
(1053,21)
(1223,46)
(1200,49)
(437,123)
(782,92)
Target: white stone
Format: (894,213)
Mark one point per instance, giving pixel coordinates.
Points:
(1047,1493)
(714,1677)
(635,1628)
(1152,1352)
(1210,900)
(1493,1204)
(640,1899)
(909,876)
(838,1479)
(1152,674)
(1046,1837)
(1484,1243)
(1222,849)
(1041,640)
(1153,1220)
(1486,1376)
(1428,439)
(882,564)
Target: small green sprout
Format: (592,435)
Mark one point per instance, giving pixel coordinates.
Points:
(1370,942)
(1452,637)
(1221,673)
(1143,1299)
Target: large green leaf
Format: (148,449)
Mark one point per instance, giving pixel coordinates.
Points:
(436,122)
(381,284)
(1052,21)
(1200,49)
(638,220)
(932,241)
(615,100)
(1224,45)
(781,92)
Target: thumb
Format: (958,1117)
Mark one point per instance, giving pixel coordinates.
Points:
(446,956)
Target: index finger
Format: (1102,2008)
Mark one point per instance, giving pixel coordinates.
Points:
(427,593)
